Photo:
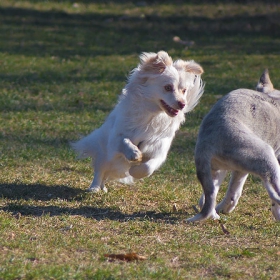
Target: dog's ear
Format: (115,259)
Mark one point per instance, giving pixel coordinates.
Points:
(265,85)
(188,66)
(193,67)
(155,63)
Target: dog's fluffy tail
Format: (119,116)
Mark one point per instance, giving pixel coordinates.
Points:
(129,180)
(86,147)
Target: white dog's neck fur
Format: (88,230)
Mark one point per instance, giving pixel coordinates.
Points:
(147,115)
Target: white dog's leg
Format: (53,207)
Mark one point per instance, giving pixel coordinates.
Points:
(218,177)
(144,169)
(97,184)
(98,179)
(130,151)
(233,193)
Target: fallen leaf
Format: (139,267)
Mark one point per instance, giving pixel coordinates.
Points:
(174,260)
(225,231)
(126,257)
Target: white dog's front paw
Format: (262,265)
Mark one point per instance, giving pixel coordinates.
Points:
(134,155)
(130,151)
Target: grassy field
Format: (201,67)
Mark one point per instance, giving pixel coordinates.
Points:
(62,66)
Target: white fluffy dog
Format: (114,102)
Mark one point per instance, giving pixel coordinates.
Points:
(135,138)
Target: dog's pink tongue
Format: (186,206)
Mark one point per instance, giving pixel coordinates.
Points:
(173,112)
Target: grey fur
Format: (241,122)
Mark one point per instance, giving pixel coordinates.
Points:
(240,134)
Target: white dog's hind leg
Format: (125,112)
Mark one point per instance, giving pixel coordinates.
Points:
(97,184)
(233,193)
(98,179)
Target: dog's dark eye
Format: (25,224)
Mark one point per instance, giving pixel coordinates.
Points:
(168,88)
(184,91)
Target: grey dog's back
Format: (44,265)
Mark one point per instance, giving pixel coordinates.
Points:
(237,115)
(240,134)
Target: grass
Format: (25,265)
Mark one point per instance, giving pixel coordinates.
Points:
(63,64)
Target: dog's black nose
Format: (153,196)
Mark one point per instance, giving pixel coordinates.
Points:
(181,105)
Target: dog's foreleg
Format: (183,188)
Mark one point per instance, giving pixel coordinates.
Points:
(144,169)
(130,151)
(233,193)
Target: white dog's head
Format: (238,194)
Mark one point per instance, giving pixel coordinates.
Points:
(168,84)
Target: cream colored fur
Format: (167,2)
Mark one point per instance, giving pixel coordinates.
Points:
(135,138)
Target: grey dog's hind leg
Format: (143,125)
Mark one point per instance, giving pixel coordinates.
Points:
(263,162)
(272,184)
(210,191)
(218,177)
(233,193)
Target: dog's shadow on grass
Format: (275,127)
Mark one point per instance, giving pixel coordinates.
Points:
(38,192)
(19,194)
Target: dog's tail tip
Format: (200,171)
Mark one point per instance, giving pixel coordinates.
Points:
(79,149)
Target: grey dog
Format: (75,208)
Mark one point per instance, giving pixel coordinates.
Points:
(240,134)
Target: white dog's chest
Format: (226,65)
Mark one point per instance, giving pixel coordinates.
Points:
(155,147)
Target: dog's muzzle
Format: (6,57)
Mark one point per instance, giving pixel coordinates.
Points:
(171,111)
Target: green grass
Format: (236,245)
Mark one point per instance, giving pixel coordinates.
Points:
(62,66)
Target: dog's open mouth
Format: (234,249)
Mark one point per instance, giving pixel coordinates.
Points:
(169,110)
